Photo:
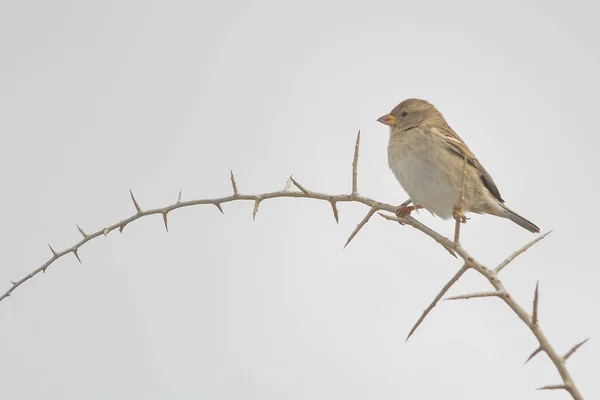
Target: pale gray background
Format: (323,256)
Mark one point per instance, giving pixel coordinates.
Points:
(101,97)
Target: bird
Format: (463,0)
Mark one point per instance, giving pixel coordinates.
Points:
(435,166)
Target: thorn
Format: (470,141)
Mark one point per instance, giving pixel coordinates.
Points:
(13,283)
(165,220)
(179,197)
(299,186)
(335,212)
(553,387)
(360,225)
(82,232)
(234,185)
(44,269)
(135,203)
(437,298)
(105,231)
(534,316)
(77,256)
(574,349)
(256,203)
(219,207)
(535,353)
(121,227)
(519,252)
(53,252)
(355,165)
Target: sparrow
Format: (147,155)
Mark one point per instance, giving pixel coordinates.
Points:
(428,159)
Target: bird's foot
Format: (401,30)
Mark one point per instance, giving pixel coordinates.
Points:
(404,211)
(459,215)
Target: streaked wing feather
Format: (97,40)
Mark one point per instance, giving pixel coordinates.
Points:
(458,147)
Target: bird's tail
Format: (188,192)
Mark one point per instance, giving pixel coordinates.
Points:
(517,219)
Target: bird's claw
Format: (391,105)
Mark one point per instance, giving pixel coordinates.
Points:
(459,215)
(404,211)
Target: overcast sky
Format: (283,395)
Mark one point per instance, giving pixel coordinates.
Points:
(100,97)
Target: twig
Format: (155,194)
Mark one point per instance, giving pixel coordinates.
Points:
(517,253)
(478,295)
(554,387)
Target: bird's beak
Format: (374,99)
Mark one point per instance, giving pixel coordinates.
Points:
(387,119)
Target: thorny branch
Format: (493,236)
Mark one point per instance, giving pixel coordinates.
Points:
(453,246)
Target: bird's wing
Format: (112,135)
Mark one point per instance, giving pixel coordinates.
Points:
(456,146)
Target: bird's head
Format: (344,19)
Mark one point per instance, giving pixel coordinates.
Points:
(409,114)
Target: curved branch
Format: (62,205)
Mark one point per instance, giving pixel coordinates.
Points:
(453,247)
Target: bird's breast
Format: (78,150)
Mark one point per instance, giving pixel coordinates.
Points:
(419,164)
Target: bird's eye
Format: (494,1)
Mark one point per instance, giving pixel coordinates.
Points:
(404,113)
